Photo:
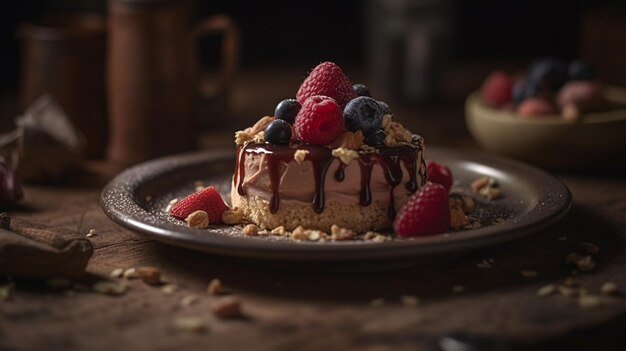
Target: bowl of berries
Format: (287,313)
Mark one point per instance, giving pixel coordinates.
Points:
(556,115)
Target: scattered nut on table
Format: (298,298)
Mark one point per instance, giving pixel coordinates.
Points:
(149,275)
(227,307)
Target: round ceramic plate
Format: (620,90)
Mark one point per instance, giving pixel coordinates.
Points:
(136,199)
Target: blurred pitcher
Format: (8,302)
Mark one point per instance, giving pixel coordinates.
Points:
(152,79)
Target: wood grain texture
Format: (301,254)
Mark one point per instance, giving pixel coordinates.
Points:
(309,311)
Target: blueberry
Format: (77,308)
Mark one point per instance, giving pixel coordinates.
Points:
(376,139)
(361,90)
(548,71)
(524,89)
(385,107)
(278,132)
(580,70)
(363,113)
(287,110)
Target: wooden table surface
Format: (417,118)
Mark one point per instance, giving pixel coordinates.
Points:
(323,311)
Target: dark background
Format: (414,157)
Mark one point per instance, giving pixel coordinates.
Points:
(290,32)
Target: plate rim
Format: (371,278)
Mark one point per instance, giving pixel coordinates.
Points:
(123,185)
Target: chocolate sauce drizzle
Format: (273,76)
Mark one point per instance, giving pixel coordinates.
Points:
(390,158)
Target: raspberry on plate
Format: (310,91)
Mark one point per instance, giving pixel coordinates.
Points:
(319,121)
(208,200)
(329,80)
(426,213)
(438,173)
(496,89)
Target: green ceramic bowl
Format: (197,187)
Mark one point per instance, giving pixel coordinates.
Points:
(597,139)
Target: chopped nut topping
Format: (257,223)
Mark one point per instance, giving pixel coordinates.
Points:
(227,307)
(149,275)
(486,187)
(260,125)
(189,324)
(215,287)
(232,216)
(91,233)
(546,290)
(386,121)
(242,137)
(491,193)
(299,233)
(609,288)
(300,155)
(338,233)
(396,134)
(479,184)
(349,140)
(198,219)
(468,204)
(314,235)
(345,155)
(259,137)
(457,218)
(110,288)
(376,237)
(280,230)
(251,230)
(528,274)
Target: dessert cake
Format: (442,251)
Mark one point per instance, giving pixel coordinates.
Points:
(332,156)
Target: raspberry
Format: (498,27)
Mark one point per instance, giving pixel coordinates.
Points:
(319,121)
(496,89)
(425,213)
(329,80)
(438,173)
(208,200)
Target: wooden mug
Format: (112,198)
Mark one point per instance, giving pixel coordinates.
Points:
(63,56)
(152,75)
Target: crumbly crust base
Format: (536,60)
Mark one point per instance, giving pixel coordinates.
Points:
(356,217)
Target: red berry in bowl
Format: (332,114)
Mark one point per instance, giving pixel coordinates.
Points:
(438,173)
(425,213)
(319,121)
(496,90)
